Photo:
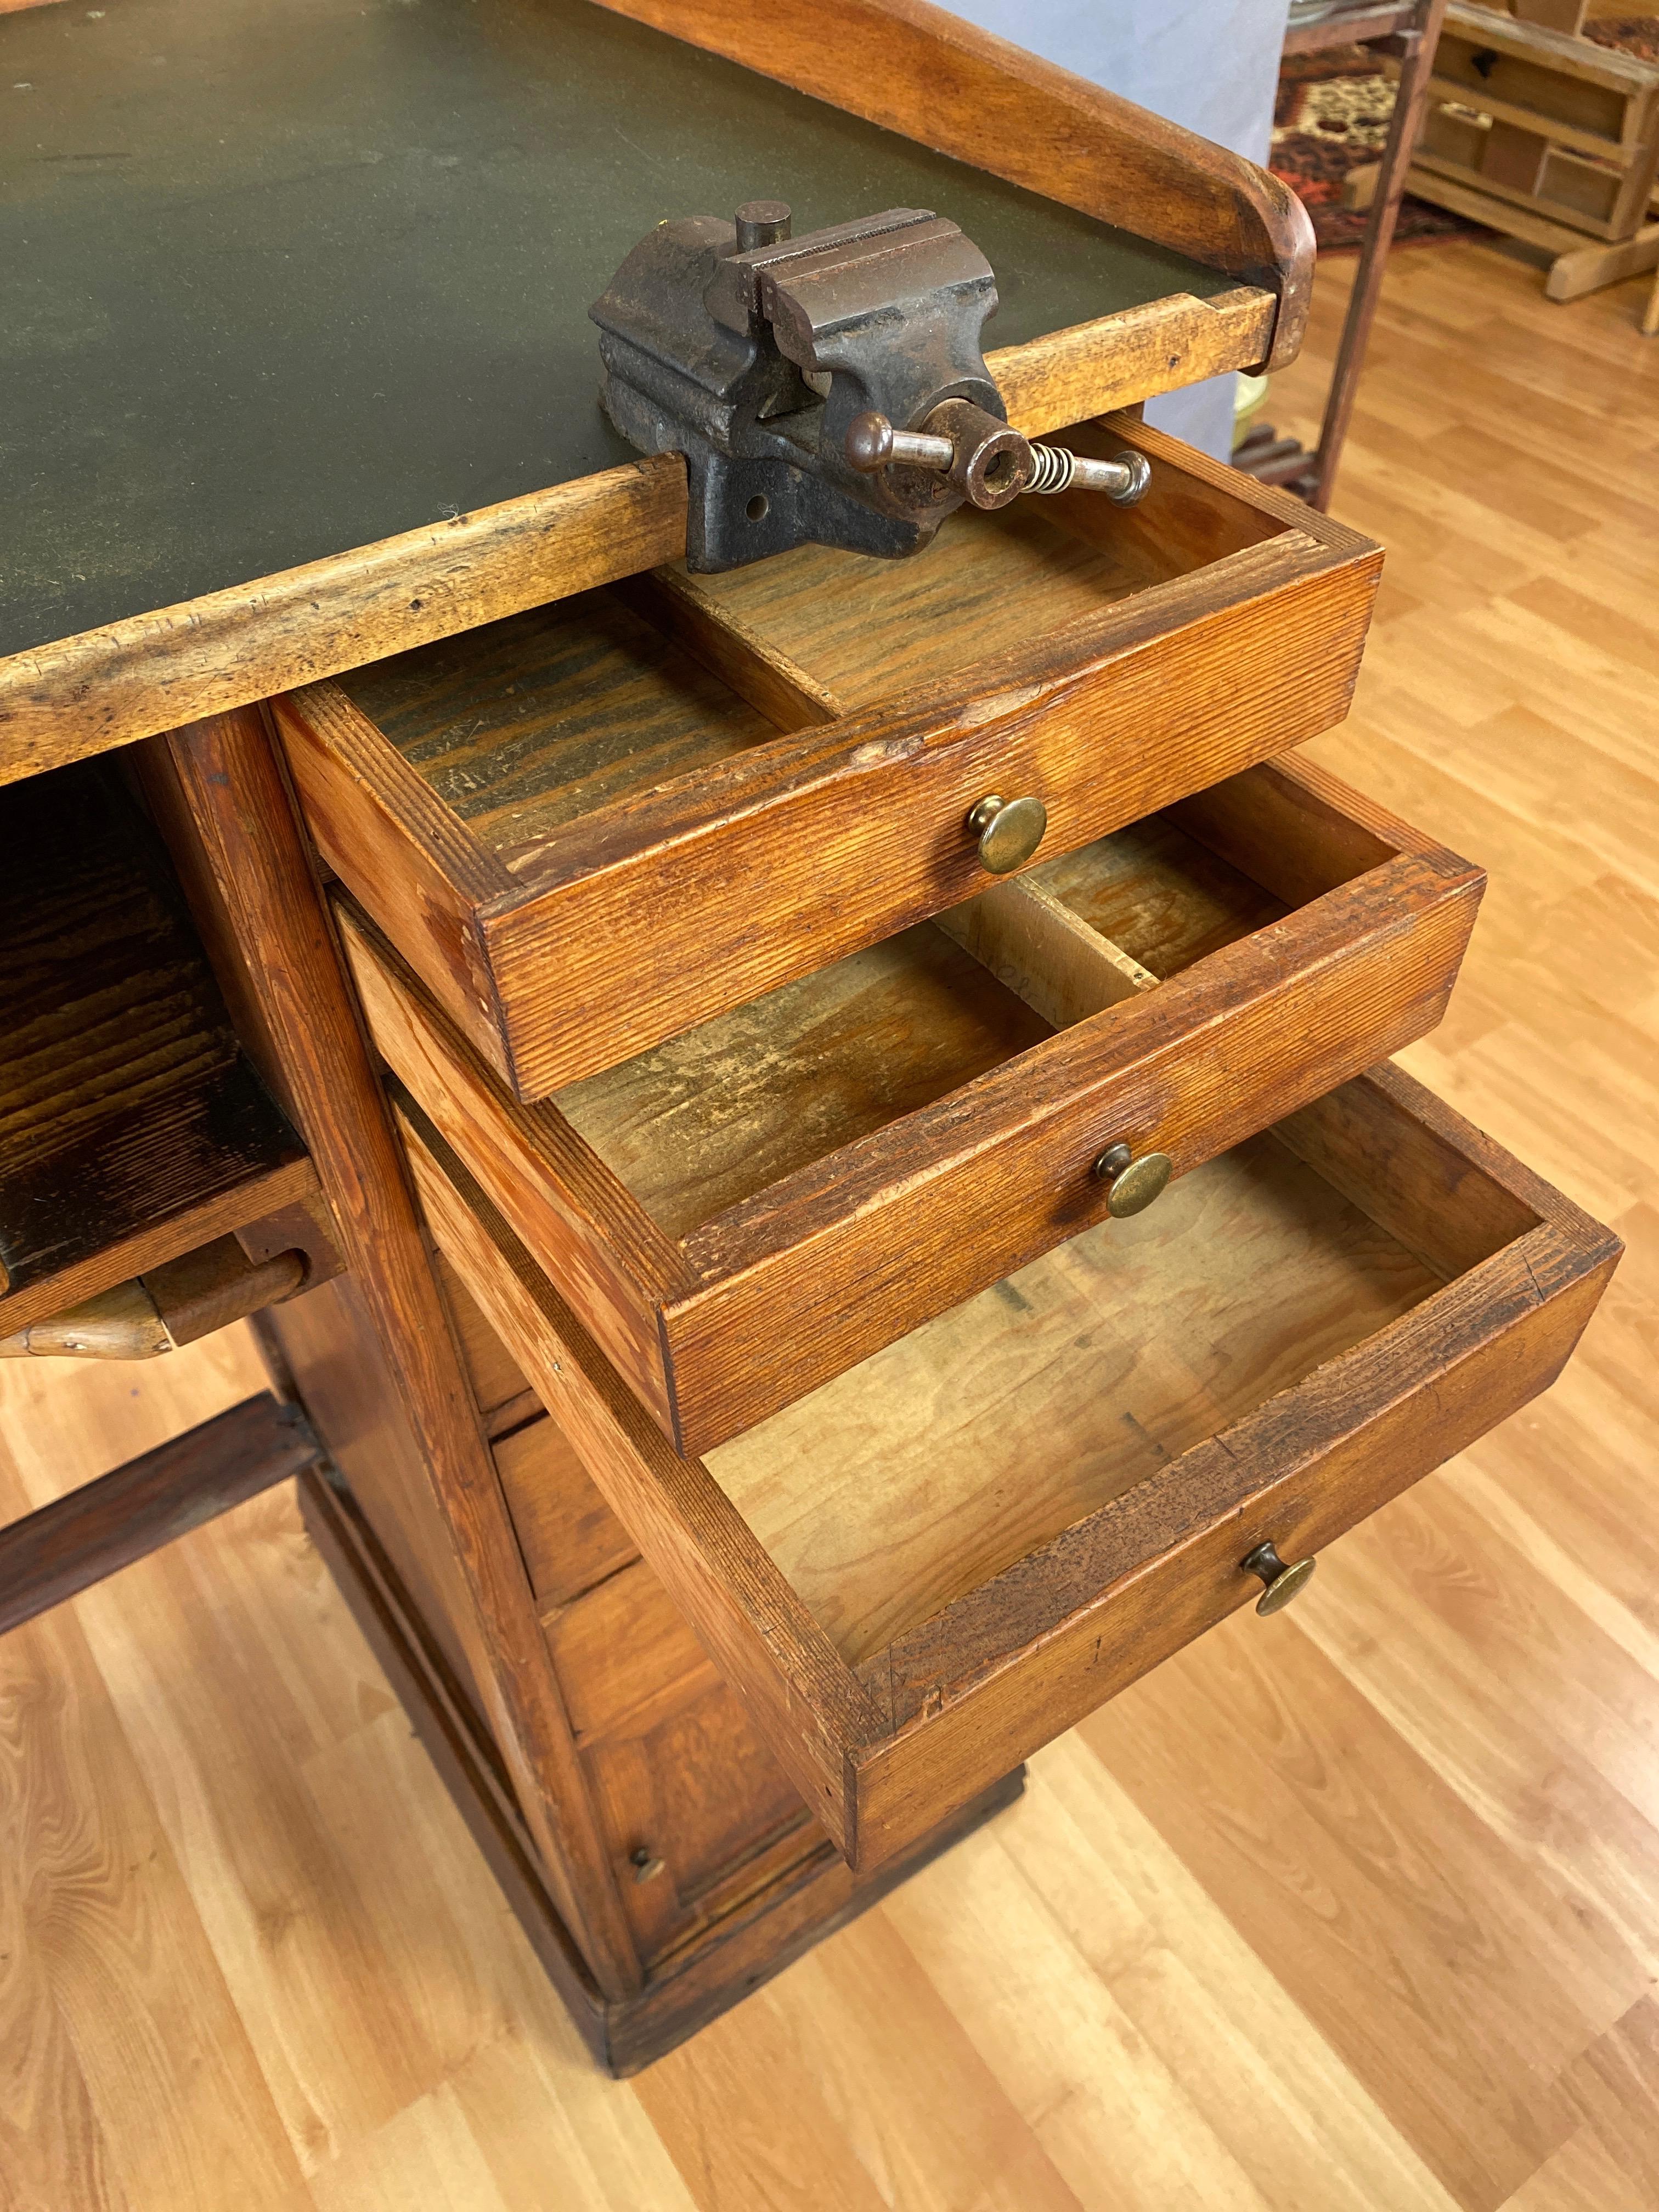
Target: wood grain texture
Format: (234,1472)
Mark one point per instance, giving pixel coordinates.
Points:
(498,1386)
(1124,358)
(570,1538)
(233,647)
(925,1509)
(753,1207)
(777,855)
(555,1189)
(1354,1908)
(107,686)
(780,1902)
(252,860)
(82,695)
(132,1125)
(991,103)
(804,1699)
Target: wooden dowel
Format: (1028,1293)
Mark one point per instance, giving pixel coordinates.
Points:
(77,1540)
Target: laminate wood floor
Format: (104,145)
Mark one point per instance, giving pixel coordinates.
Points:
(1356,1910)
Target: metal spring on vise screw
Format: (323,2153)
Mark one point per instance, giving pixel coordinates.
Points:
(1053,469)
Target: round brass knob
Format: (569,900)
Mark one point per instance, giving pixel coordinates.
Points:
(645,1862)
(1009,831)
(1281,1582)
(1132,1184)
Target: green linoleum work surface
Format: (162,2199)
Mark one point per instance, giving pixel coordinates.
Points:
(284,276)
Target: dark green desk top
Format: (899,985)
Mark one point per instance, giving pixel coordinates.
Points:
(280,277)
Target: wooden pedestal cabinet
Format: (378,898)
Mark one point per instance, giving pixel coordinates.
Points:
(826,1299)
(827,1432)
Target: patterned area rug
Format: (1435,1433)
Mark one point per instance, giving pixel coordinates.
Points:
(1332,116)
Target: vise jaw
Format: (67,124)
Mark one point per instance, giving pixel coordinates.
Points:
(754,354)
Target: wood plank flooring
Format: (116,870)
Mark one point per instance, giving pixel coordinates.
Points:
(1356,1910)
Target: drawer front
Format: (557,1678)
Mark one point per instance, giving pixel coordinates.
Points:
(695,1812)
(706,818)
(1304,936)
(934,1565)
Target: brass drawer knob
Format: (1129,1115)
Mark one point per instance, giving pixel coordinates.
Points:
(1281,1582)
(1009,831)
(645,1862)
(1132,1184)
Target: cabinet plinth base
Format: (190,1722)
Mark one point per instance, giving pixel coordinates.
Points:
(760,1938)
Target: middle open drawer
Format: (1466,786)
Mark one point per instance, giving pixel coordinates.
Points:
(752,1207)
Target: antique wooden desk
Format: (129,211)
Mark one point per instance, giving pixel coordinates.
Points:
(687,1197)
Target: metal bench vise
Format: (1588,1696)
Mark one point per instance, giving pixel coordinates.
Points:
(828,389)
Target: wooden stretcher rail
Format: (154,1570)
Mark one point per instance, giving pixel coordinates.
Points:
(106,687)
(75,1541)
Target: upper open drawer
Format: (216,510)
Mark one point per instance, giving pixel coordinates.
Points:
(939,1560)
(747,1209)
(590,826)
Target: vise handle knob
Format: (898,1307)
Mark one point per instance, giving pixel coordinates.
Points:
(872,442)
(763,223)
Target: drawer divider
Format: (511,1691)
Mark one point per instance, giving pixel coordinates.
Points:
(731,648)
(1033,942)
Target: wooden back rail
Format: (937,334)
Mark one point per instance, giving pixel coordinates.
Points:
(876,1749)
(910,67)
(63,1548)
(927,74)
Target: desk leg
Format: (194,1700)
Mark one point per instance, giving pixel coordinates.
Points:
(220,792)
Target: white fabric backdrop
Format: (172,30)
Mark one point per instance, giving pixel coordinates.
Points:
(1209,64)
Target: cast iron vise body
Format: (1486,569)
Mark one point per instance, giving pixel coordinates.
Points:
(780,366)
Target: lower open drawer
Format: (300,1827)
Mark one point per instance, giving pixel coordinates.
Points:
(938,1560)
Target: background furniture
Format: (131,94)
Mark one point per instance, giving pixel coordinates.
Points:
(1546,135)
(1409,32)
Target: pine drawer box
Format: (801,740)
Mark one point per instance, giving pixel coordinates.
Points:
(592,826)
(746,1211)
(934,1564)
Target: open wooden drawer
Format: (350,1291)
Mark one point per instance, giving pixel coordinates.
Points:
(591,827)
(750,1208)
(939,1560)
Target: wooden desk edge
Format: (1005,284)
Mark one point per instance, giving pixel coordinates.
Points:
(102,688)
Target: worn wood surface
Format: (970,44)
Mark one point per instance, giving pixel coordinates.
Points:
(787,1900)
(754,1207)
(776,856)
(132,1125)
(1382,1870)
(1308,1364)
(226,804)
(806,1700)
(202,551)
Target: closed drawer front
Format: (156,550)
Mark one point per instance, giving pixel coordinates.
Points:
(756,1206)
(947,1555)
(696,1811)
(594,825)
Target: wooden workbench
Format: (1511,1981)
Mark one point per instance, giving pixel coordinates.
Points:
(748,1420)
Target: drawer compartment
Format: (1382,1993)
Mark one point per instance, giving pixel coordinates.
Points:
(755,1206)
(592,826)
(947,1555)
